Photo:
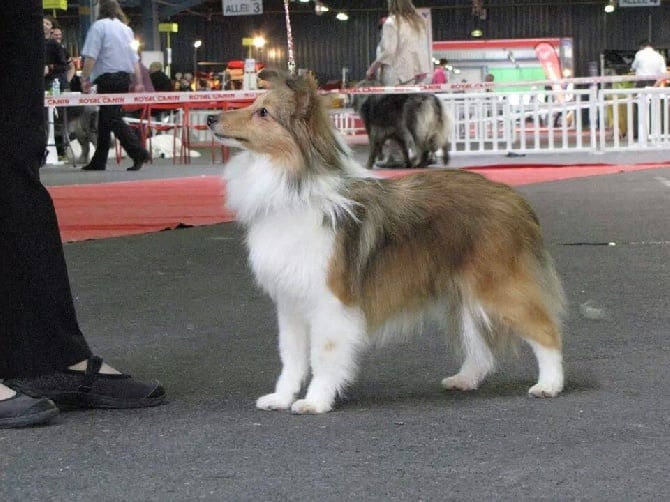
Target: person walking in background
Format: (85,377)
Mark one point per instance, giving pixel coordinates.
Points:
(403,53)
(45,360)
(403,57)
(110,62)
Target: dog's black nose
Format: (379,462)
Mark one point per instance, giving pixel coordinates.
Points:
(212,119)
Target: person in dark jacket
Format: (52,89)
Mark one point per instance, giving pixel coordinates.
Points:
(159,78)
(55,56)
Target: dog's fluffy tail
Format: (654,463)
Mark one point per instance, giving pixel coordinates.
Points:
(431,124)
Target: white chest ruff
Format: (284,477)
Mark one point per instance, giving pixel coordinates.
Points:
(289,255)
(290,245)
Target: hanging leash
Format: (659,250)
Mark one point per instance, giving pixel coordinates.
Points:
(291,59)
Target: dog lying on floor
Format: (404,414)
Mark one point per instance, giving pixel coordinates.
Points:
(348,257)
(418,123)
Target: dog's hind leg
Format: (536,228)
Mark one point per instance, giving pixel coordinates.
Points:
(294,353)
(376,144)
(412,149)
(445,154)
(337,334)
(532,322)
(535,326)
(531,310)
(479,360)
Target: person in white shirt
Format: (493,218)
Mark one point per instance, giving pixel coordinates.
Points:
(648,63)
(403,54)
(111,63)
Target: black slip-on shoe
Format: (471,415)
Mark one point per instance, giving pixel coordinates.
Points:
(91,389)
(24,411)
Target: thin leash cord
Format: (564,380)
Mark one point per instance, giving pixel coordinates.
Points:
(291,59)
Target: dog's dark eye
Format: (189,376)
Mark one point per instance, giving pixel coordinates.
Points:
(263,113)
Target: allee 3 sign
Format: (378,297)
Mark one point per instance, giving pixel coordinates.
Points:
(242,7)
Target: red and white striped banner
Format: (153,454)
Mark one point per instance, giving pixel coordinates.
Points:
(177,98)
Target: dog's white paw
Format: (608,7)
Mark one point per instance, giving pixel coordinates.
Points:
(545,389)
(460,382)
(274,401)
(305,407)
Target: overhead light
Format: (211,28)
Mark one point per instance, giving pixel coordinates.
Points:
(476,33)
(611,5)
(259,42)
(197,43)
(320,8)
(304,1)
(342,16)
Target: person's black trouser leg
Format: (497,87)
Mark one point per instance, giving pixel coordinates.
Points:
(39,332)
(110,119)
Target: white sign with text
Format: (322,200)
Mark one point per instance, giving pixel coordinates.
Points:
(242,7)
(639,3)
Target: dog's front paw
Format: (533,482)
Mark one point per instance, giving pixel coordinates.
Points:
(306,407)
(274,401)
(460,382)
(545,390)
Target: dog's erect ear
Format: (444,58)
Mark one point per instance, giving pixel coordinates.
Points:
(304,88)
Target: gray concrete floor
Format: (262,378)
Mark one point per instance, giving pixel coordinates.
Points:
(182,307)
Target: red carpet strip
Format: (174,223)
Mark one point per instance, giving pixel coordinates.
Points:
(136,207)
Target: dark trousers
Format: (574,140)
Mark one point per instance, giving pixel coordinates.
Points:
(39,332)
(110,119)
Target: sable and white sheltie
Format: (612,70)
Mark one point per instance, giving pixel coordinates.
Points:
(349,258)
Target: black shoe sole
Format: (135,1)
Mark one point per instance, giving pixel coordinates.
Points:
(28,420)
(37,411)
(77,400)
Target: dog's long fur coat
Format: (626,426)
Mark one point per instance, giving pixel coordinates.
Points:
(348,257)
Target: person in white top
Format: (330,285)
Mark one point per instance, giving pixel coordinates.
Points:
(403,54)
(648,63)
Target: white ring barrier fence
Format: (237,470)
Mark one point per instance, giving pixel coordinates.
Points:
(545,117)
